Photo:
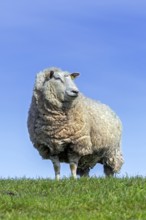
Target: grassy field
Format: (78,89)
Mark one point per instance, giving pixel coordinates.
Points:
(85,198)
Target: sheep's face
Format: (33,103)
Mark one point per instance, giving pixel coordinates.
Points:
(62,86)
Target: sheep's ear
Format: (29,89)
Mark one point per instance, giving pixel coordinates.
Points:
(51,74)
(74,75)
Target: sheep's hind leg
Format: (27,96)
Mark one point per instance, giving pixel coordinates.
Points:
(108,170)
(56,165)
(84,173)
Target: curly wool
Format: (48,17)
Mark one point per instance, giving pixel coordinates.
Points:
(85,127)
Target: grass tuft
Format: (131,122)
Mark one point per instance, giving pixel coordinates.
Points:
(85,198)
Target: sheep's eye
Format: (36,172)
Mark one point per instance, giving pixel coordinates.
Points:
(57,78)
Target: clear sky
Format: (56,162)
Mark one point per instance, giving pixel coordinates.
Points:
(103,40)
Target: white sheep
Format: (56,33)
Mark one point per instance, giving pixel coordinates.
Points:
(65,126)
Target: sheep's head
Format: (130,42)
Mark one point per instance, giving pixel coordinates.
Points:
(57,86)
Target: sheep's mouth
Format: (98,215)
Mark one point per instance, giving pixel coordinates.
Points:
(69,96)
(72,95)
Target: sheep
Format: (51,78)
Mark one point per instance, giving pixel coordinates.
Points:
(65,126)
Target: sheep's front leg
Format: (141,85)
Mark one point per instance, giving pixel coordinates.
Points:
(73,161)
(56,165)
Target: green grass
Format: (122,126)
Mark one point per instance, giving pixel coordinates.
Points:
(85,198)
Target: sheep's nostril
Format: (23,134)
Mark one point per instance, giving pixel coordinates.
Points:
(72,92)
(75,92)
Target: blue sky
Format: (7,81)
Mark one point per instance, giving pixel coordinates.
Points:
(103,40)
